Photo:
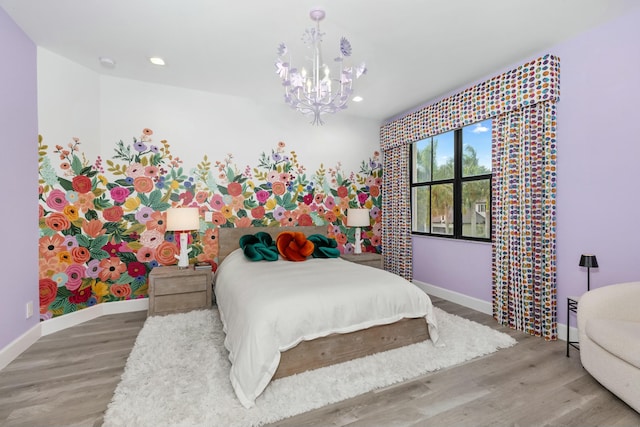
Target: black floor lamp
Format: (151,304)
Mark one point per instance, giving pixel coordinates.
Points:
(588,261)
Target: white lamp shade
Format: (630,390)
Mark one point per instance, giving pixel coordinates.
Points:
(183,219)
(358,218)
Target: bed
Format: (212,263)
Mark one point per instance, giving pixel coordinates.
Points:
(282,318)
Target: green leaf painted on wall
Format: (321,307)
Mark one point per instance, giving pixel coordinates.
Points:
(124,278)
(83,240)
(119,182)
(250,203)
(99,241)
(99,254)
(135,228)
(72,230)
(223,190)
(66,184)
(155,201)
(115,230)
(76,165)
(161,206)
(127,257)
(286,202)
(101,203)
(156,159)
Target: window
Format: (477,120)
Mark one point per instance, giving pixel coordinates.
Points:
(451,184)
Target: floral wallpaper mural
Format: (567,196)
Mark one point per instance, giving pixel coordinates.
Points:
(102,222)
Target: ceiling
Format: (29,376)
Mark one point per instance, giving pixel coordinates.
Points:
(415,50)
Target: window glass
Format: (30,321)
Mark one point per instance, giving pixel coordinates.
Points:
(443,148)
(476,149)
(476,210)
(442,209)
(422,161)
(420,209)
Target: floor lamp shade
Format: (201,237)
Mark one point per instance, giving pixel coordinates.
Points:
(358,218)
(183,220)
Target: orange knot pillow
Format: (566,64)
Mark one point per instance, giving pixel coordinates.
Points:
(294,246)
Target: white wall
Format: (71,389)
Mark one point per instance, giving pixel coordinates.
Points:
(195,123)
(68,103)
(74,101)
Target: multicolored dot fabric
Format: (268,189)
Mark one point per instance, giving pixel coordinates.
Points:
(532,82)
(524,219)
(522,104)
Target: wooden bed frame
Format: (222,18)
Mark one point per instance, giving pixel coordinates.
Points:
(335,348)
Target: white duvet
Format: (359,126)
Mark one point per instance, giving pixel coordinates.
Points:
(269,307)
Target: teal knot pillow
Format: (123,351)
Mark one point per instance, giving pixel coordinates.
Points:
(324,247)
(259,247)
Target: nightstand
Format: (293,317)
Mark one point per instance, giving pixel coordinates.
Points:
(572,307)
(366,258)
(175,290)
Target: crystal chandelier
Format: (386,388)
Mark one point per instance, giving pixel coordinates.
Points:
(317,91)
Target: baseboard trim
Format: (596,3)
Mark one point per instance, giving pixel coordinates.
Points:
(26,340)
(72,319)
(20,344)
(462,299)
(483,306)
(562,332)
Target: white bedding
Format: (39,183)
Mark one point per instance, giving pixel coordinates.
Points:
(268,307)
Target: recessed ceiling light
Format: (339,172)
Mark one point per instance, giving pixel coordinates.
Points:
(155,60)
(357,99)
(107,62)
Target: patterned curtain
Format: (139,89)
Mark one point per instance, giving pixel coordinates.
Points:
(396,212)
(521,102)
(524,212)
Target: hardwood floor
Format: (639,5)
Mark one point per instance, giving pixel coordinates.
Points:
(67,379)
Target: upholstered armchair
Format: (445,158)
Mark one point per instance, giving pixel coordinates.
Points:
(609,331)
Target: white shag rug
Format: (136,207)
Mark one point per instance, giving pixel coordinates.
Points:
(178,373)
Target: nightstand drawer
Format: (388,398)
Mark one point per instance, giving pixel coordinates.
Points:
(172,285)
(176,290)
(180,302)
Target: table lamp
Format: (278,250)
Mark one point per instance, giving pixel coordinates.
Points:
(358,218)
(182,221)
(588,261)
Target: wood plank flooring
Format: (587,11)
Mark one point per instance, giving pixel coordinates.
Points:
(67,379)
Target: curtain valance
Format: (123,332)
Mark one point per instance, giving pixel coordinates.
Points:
(530,83)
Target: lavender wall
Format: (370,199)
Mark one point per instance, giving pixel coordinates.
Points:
(455,265)
(598,162)
(19,216)
(598,153)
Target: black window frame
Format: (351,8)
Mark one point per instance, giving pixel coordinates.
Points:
(458,180)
